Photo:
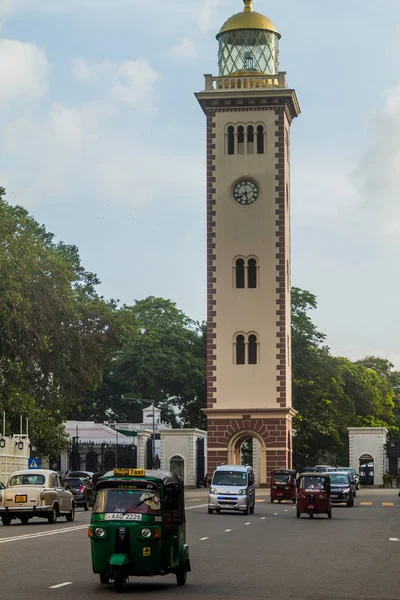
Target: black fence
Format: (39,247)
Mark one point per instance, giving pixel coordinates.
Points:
(101,457)
(200,463)
(393,455)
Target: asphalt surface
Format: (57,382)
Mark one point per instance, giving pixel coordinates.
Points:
(268,555)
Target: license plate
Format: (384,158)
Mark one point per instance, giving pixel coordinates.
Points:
(21,498)
(335,495)
(123,517)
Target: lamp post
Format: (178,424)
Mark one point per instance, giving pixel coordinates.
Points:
(153,440)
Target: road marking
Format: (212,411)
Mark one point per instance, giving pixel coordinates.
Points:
(262,518)
(365,503)
(194,499)
(394,539)
(30,536)
(53,587)
(228,529)
(197,506)
(275,514)
(387,504)
(248,523)
(203,539)
(286,510)
(260,500)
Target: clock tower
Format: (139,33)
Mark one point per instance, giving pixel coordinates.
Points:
(249,109)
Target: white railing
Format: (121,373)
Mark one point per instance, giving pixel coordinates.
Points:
(243,82)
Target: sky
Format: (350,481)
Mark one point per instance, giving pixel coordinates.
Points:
(102,140)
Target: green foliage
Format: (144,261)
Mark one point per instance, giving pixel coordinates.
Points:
(161,357)
(55,331)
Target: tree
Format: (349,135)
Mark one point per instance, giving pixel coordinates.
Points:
(55,331)
(161,357)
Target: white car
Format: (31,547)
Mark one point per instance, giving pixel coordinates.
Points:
(36,493)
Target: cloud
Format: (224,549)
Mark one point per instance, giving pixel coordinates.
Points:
(131,81)
(24,72)
(185,49)
(377,172)
(207,14)
(6,9)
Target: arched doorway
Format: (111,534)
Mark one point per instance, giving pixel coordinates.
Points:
(248,447)
(366,469)
(177,465)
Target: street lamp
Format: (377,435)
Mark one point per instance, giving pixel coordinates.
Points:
(153,440)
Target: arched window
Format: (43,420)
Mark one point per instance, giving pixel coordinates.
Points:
(239,273)
(260,139)
(240,139)
(240,350)
(252,349)
(231,140)
(252,273)
(250,139)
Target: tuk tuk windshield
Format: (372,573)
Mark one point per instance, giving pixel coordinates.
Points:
(281,477)
(310,482)
(127,501)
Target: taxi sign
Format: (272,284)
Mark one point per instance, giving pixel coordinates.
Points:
(130,472)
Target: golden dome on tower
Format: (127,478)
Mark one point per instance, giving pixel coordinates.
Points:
(248,19)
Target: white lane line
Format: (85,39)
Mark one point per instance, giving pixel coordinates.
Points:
(30,536)
(197,506)
(228,530)
(262,519)
(54,587)
(275,514)
(248,523)
(203,539)
(286,510)
(394,539)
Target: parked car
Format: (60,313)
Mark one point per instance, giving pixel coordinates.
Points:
(341,488)
(322,468)
(2,487)
(81,490)
(85,474)
(36,493)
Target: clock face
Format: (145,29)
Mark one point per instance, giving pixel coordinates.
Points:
(245,192)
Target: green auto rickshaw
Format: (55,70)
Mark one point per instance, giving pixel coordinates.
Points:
(138,526)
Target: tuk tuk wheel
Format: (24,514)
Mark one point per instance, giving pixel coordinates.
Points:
(252,510)
(298,514)
(330,514)
(104,578)
(181,573)
(311,515)
(294,500)
(279,501)
(210,511)
(119,580)
(272,500)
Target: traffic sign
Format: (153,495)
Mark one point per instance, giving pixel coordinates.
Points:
(33,463)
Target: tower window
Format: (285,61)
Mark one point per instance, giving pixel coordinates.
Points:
(240,135)
(240,350)
(240,273)
(260,139)
(252,349)
(250,139)
(231,140)
(252,273)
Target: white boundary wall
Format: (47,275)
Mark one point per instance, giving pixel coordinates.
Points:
(11,457)
(368,440)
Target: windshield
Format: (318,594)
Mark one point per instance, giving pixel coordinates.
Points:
(237,478)
(281,477)
(339,479)
(313,483)
(30,479)
(74,482)
(132,501)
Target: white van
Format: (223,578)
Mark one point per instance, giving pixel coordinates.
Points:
(232,488)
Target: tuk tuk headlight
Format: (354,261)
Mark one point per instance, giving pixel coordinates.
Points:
(274,487)
(241,492)
(99,532)
(214,491)
(146,533)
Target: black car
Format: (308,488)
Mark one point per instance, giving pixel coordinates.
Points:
(81,490)
(341,488)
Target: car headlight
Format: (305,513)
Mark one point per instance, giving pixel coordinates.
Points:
(214,491)
(241,492)
(321,497)
(99,532)
(286,487)
(346,490)
(146,533)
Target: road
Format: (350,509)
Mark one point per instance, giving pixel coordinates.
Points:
(268,555)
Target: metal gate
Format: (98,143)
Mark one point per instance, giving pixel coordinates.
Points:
(101,457)
(200,463)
